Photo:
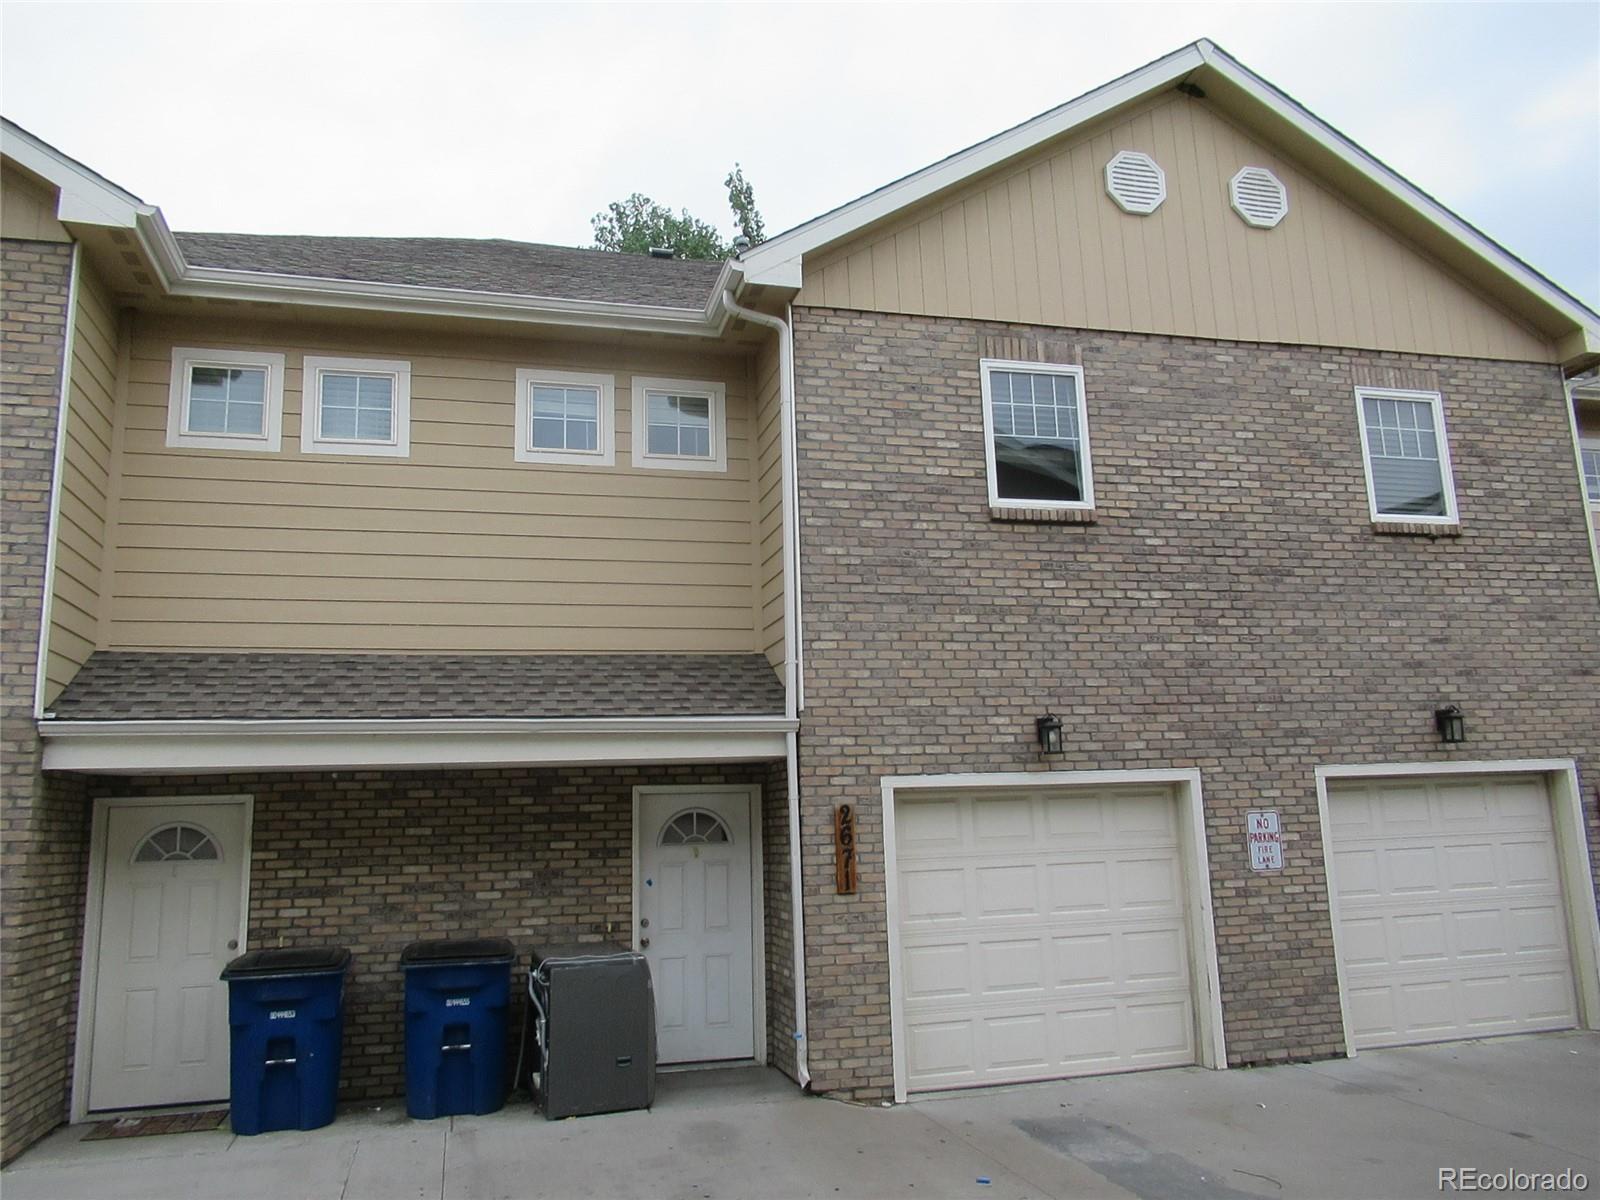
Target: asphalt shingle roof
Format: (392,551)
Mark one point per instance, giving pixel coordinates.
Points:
(149,686)
(493,265)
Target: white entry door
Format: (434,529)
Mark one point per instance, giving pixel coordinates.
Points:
(170,909)
(1452,919)
(695,926)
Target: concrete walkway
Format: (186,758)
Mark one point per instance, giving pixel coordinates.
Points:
(1381,1125)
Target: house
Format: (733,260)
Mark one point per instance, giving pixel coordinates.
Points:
(1121,596)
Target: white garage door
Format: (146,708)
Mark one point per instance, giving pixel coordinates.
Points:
(1451,917)
(1042,934)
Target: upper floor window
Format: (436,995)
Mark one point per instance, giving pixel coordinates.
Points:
(680,424)
(356,406)
(1590,449)
(565,417)
(1036,437)
(1407,456)
(225,399)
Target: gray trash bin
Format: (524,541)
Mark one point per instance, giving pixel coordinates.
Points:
(595,1020)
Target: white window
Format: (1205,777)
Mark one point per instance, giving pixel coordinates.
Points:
(1036,436)
(566,417)
(1590,449)
(356,406)
(225,400)
(1407,456)
(680,425)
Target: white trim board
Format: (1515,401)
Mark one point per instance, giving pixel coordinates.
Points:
(93,914)
(758,897)
(134,747)
(52,530)
(1572,853)
(1211,1041)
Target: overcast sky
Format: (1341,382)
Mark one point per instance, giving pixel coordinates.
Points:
(522,121)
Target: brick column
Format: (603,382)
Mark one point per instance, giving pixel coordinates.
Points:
(44,825)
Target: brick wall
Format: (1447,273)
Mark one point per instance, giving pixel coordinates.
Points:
(374,860)
(1230,608)
(43,831)
(779,910)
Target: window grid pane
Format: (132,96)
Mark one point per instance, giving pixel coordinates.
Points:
(230,400)
(1404,458)
(357,407)
(679,426)
(1037,448)
(1591,473)
(565,418)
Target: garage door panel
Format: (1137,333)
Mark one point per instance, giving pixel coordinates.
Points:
(1075,936)
(931,894)
(1008,891)
(1008,821)
(930,826)
(1461,930)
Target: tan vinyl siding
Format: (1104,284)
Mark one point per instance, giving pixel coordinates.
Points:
(76,589)
(769,503)
(28,210)
(459,547)
(1042,243)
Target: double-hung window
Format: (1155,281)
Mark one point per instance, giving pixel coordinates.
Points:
(1407,456)
(565,417)
(225,399)
(1036,436)
(356,406)
(680,424)
(1589,448)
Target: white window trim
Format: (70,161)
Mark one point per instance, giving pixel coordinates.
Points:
(1446,470)
(605,452)
(716,393)
(1588,443)
(186,357)
(987,365)
(398,444)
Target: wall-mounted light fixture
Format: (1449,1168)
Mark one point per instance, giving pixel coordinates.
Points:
(1452,726)
(1048,728)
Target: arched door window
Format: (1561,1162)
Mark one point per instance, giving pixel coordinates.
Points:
(695,827)
(178,843)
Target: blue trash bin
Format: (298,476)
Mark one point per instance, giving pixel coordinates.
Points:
(456,997)
(286,1019)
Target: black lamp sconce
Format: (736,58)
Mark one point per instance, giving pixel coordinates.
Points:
(1452,726)
(1048,728)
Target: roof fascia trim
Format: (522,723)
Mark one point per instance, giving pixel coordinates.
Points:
(249,727)
(84,197)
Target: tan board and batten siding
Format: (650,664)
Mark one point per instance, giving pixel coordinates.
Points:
(459,547)
(28,211)
(1041,243)
(86,467)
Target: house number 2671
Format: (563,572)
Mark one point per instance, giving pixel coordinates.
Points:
(844,850)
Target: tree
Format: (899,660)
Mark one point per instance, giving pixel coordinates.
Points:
(634,225)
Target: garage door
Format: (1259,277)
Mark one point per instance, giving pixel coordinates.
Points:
(1041,935)
(1451,917)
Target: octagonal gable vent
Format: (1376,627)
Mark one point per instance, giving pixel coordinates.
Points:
(1259,197)
(1136,182)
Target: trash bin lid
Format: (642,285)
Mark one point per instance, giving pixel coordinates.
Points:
(290,960)
(455,950)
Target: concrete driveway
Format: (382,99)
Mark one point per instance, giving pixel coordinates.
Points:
(1382,1125)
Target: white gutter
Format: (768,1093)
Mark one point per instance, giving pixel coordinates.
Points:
(791,656)
(51,530)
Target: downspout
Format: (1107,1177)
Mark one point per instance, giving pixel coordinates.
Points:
(791,657)
(52,526)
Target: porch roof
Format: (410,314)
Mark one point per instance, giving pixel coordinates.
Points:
(119,685)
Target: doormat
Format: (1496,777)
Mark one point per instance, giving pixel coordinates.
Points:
(126,1127)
